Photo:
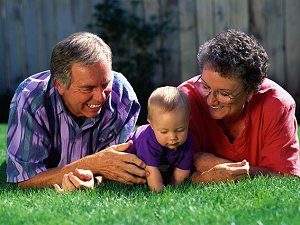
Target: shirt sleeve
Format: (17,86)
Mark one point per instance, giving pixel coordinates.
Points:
(125,103)
(195,113)
(188,150)
(129,123)
(149,150)
(27,145)
(280,147)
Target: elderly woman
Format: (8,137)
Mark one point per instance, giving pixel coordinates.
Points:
(243,124)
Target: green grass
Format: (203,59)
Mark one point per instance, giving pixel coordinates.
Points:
(253,201)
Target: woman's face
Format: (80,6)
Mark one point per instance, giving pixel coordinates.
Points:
(216,86)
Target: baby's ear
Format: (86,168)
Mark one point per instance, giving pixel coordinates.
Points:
(149,121)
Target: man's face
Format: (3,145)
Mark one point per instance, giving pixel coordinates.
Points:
(89,89)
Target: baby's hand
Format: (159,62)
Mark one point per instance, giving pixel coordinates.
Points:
(80,179)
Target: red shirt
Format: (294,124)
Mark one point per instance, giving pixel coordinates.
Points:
(269,139)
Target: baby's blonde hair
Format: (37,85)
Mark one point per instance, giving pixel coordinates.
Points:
(168,98)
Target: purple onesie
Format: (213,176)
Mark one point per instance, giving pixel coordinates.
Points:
(146,147)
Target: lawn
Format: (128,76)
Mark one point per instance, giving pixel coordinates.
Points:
(253,201)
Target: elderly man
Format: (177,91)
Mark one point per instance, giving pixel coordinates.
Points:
(73,117)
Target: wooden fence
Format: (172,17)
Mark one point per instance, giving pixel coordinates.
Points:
(30,28)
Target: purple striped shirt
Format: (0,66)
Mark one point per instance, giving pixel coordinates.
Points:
(42,134)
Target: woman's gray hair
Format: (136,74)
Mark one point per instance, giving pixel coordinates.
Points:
(84,48)
(234,54)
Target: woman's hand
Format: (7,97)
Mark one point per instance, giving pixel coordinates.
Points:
(223,172)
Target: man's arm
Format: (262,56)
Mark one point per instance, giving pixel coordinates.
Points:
(111,163)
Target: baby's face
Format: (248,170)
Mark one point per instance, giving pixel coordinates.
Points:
(170,128)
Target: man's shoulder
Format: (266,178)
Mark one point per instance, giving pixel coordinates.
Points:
(38,80)
(121,87)
(32,91)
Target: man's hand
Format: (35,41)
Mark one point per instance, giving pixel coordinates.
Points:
(223,173)
(113,163)
(80,179)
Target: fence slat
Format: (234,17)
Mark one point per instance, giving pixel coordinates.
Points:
(230,14)
(82,14)
(64,18)
(48,33)
(204,19)
(239,15)
(14,32)
(31,35)
(188,42)
(221,15)
(171,65)
(268,15)
(292,46)
(3,50)
(152,9)
(275,39)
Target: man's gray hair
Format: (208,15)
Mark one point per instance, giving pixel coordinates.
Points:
(84,48)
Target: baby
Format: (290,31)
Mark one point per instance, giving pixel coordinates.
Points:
(165,141)
(164,144)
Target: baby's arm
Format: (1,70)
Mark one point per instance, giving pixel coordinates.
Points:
(154,179)
(179,176)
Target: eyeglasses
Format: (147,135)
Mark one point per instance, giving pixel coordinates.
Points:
(222,96)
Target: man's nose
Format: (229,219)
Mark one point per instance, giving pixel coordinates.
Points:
(99,95)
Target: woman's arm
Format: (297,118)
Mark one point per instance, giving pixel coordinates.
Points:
(204,161)
(210,168)
(260,171)
(222,173)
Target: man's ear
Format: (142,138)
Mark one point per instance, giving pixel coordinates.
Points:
(59,87)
